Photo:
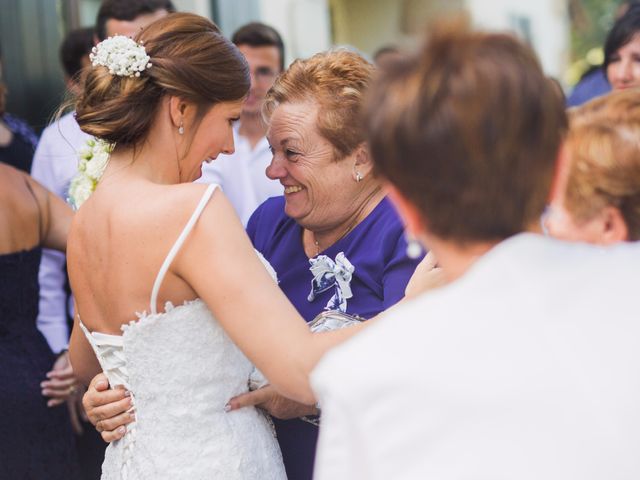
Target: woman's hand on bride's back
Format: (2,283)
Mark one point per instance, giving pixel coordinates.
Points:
(109,410)
(276,405)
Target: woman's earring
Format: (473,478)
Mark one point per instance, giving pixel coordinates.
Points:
(359,177)
(181,128)
(414,249)
(544,219)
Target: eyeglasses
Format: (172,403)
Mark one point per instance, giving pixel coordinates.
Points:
(264,74)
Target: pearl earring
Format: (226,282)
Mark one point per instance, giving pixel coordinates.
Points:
(414,249)
(359,177)
(181,128)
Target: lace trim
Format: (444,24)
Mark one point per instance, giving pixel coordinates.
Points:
(145,318)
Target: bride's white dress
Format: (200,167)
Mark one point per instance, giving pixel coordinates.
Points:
(181,369)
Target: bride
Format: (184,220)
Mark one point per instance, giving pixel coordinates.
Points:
(162,270)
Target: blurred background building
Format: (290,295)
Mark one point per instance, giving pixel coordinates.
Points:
(31,31)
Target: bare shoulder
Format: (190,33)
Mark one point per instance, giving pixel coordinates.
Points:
(14,190)
(12,179)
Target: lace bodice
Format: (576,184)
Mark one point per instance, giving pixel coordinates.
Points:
(181,369)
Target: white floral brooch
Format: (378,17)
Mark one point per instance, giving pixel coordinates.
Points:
(121,55)
(92,161)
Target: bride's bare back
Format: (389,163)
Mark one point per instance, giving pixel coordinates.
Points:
(117,244)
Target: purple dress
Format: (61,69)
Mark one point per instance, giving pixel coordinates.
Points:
(368,278)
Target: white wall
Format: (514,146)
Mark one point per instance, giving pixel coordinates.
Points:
(548,21)
(303,24)
(201,7)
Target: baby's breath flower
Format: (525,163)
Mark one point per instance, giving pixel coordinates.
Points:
(121,55)
(93,158)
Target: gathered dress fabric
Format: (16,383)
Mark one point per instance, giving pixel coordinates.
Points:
(181,369)
(36,442)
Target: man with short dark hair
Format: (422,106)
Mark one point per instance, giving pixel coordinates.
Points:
(127,17)
(242,174)
(74,55)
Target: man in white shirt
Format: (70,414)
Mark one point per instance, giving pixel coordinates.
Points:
(527,364)
(242,174)
(54,164)
(55,160)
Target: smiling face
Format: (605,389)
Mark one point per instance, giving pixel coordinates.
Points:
(623,70)
(319,190)
(213,136)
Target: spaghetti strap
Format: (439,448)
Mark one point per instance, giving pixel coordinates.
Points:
(176,246)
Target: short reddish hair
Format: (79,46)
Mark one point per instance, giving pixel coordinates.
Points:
(337,80)
(604,151)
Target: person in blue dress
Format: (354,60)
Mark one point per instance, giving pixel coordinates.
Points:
(36,440)
(334,238)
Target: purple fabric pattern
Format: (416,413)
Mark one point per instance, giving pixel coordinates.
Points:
(370,260)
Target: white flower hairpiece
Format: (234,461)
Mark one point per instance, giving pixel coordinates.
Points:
(92,162)
(121,55)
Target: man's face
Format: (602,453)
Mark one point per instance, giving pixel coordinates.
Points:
(130,28)
(264,65)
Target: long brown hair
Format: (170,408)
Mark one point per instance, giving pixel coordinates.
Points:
(190,59)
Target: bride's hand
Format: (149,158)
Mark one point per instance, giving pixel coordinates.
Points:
(109,410)
(271,401)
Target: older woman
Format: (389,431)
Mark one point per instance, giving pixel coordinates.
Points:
(334,214)
(597,199)
(334,239)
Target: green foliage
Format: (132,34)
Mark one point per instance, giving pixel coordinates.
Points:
(591,21)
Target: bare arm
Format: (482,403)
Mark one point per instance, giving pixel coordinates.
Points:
(83,360)
(248,304)
(56,217)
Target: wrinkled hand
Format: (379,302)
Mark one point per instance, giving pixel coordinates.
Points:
(427,276)
(60,382)
(109,410)
(273,403)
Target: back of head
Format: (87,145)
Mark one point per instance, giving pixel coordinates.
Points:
(190,59)
(604,150)
(468,130)
(623,30)
(77,44)
(337,80)
(256,34)
(127,10)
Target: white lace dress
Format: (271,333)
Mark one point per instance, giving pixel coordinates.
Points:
(182,368)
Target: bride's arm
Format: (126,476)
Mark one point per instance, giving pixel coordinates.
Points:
(219,263)
(83,359)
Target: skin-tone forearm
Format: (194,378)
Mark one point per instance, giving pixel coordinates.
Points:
(81,355)
(257,316)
